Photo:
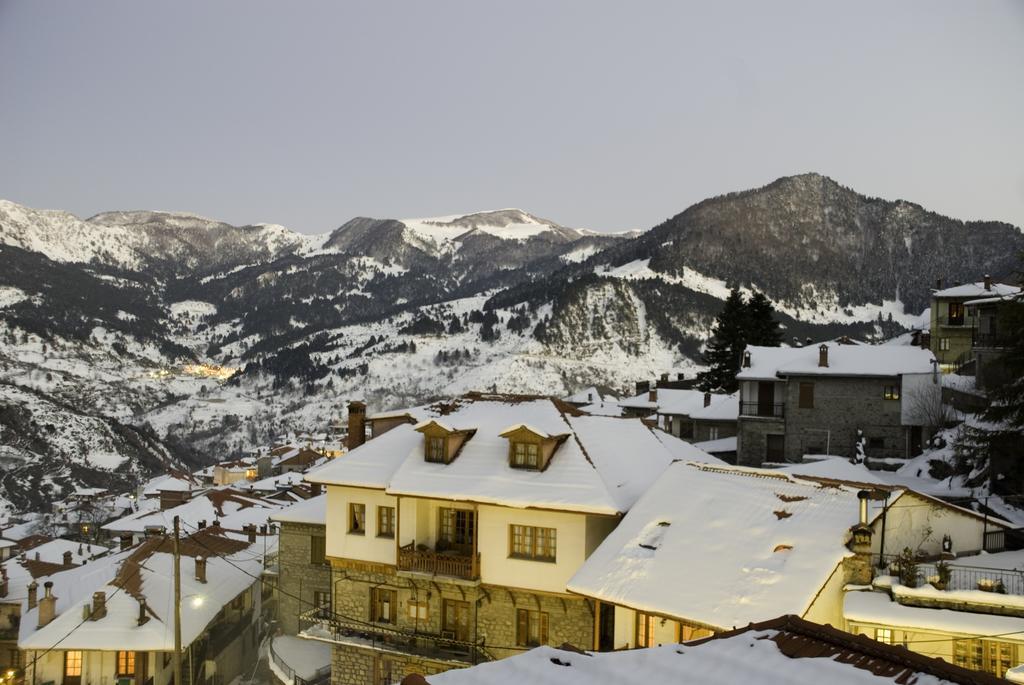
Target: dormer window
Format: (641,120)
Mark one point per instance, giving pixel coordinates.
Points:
(441,442)
(436,450)
(525,455)
(530,448)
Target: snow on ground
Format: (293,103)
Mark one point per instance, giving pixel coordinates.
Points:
(9,295)
(303,657)
(192,308)
(580,254)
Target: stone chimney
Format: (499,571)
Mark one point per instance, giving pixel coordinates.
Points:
(707,399)
(67,558)
(143,614)
(126,541)
(859,570)
(988,282)
(201,524)
(250,531)
(99,606)
(47,605)
(314,489)
(33,589)
(938,284)
(356,424)
(652,395)
(823,356)
(746,359)
(201,569)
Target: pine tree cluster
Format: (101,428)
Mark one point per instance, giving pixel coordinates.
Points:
(741,322)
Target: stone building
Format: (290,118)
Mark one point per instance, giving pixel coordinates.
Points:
(304,573)
(954,324)
(883,400)
(991,335)
(451,541)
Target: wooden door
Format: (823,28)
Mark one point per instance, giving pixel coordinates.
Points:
(766,398)
(455,620)
(775,447)
(457,529)
(606,628)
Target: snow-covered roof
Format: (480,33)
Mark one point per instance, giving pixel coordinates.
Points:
(169,483)
(271,484)
(735,545)
(771,363)
(233,509)
(312,511)
(147,571)
(53,551)
(977,290)
(837,468)
(722,408)
(586,396)
(877,607)
(602,467)
(681,402)
(717,446)
(995,299)
(603,409)
(786,651)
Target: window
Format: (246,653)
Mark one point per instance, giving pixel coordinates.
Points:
(382,605)
(436,450)
(713,433)
(317,549)
(531,542)
(455,619)
(72,664)
(876,443)
(531,628)
(956,313)
(125,664)
(357,519)
(884,635)
(525,455)
(457,530)
(322,602)
(807,395)
(891,392)
(418,610)
(385,522)
(990,656)
(644,630)
(944,344)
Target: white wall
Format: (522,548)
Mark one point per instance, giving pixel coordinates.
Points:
(498,569)
(920,399)
(366,547)
(827,607)
(909,518)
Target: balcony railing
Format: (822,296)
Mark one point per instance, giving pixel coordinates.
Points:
(448,563)
(776,411)
(963,577)
(336,628)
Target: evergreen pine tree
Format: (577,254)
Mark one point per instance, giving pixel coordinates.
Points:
(725,348)
(762,328)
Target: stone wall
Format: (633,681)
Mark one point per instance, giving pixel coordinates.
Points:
(299,579)
(492,613)
(752,438)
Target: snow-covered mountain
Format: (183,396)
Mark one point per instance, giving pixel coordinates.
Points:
(210,338)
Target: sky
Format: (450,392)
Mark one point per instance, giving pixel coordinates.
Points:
(609,116)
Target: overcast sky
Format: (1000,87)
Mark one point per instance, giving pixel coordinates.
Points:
(607,116)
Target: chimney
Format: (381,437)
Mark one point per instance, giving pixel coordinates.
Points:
(823,356)
(33,589)
(356,424)
(680,376)
(746,360)
(988,282)
(67,558)
(652,395)
(664,377)
(143,614)
(250,530)
(201,524)
(99,606)
(216,523)
(642,387)
(938,284)
(201,569)
(707,399)
(858,567)
(47,605)
(314,489)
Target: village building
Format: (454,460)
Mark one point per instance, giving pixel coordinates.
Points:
(954,324)
(304,571)
(832,399)
(451,541)
(745,545)
(717,420)
(589,396)
(991,337)
(170,489)
(112,620)
(784,650)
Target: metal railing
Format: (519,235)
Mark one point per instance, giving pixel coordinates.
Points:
(411,558)
(381,636)
(963,577)
(761,409)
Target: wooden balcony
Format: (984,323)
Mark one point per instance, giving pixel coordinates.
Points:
(422,559)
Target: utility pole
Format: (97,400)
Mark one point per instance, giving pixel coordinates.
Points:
(177,605)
